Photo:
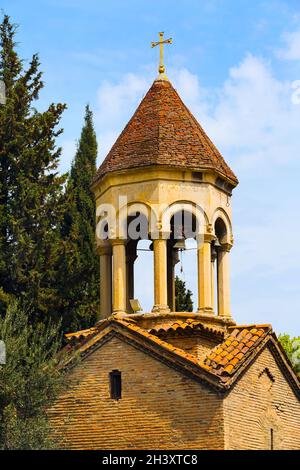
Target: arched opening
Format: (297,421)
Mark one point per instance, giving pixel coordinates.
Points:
(220,230)
(139,263)
(144,275)
(216,259)
(182,261)
(186,273)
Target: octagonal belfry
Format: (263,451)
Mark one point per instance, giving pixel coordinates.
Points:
(164,180)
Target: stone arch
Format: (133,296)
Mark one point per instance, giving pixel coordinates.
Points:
(221,215)
(183,206)
(136,209)
(106,222)
(134,223)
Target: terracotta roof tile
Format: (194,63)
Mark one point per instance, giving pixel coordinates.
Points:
(224,360)
(182,326)
(79,335)
(164,132)
(220,369)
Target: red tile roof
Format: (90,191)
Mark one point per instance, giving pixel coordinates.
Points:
(184,326)
(227,357)
(164,132)
(220,367)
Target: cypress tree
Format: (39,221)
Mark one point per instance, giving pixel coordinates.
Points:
(29,380)
(31,203)
(183,297)
(80,269)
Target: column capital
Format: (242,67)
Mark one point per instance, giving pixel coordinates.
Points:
(160,235)
(204,238)
(104,250)
(208,237)
(226,247)
(118,241)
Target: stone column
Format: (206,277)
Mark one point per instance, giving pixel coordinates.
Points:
(119,275)
(175,260)
(224,281)
(213,280)
(204,276)
(160,276)
(105,282)
(172,260)
(130,259)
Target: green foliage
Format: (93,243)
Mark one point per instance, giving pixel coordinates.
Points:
(79,281)
(292,348)
(31,190)
(183,297)
(29,381)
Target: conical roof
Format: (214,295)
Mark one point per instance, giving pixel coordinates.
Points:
(164,132)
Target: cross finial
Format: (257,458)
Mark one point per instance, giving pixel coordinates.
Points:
(160,43)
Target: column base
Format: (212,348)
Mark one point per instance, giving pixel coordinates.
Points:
(226,316)
(119,313)
(161,309)
(206,311)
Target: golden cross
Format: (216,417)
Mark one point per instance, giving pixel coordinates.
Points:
(160,43)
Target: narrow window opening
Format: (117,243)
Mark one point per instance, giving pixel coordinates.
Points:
(272,439)
(115,385)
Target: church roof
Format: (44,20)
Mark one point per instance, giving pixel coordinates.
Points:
(227,357)
(219,368)
(182,327)
(164,132)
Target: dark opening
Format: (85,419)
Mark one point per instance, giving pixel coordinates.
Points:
(272,439)
(115,385)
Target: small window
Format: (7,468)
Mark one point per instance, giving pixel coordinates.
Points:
(272,439)
(115,385)
(197,175)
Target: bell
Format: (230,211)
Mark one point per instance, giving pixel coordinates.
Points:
(214,253)
(217,244)
(180,245)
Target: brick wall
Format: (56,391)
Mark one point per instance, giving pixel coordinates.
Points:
(160,408)
(260,401)
(196,345)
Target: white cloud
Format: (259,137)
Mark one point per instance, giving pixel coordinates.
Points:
(251,117)
(291,50)
(115,105)
(255,120)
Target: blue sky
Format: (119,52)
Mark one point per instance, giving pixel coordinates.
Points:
(234,63)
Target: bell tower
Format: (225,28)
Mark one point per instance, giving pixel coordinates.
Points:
(165,181)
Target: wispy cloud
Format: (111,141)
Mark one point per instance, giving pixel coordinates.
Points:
(291,48)
(116,102)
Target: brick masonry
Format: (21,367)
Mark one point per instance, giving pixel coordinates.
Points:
(163,407)
(260,401)
(160,408)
